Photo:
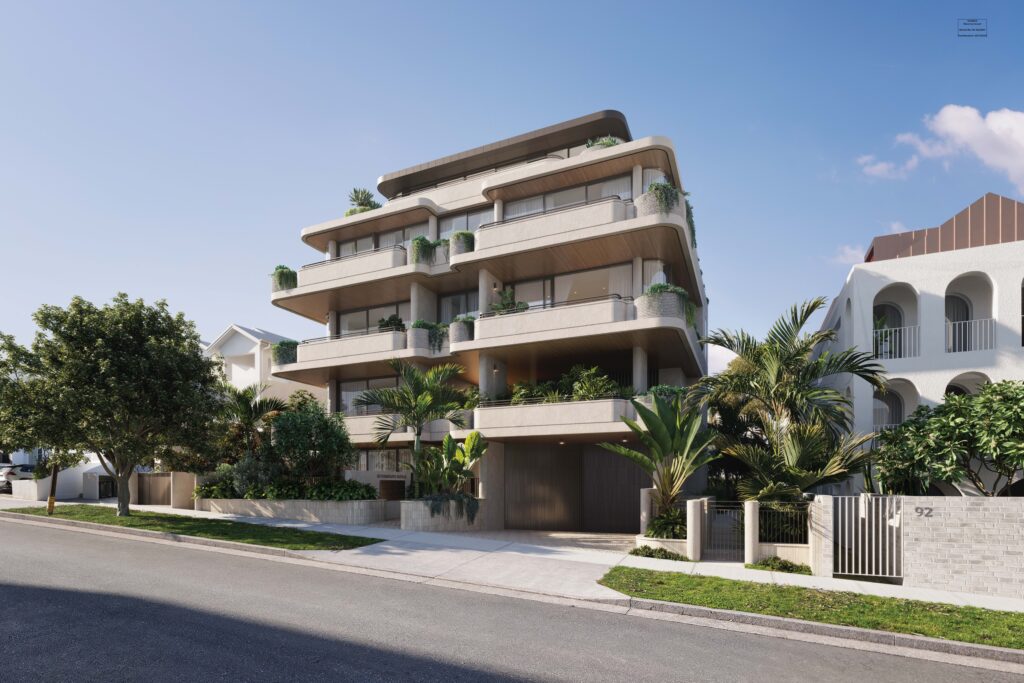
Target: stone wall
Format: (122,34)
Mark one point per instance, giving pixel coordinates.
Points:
(416,517)
(319,511)
(820,537)
(964,544)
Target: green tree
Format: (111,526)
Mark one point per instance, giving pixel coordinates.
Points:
(445,469)
(248,414)
(55,462)
(676,447)
(312,443)
(126,381)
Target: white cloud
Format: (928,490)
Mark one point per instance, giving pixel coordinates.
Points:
(996,139)
(718,358)
(849,254)
(896,227)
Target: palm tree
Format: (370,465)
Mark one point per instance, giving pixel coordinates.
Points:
(798,457)
(445,469)
(676,447)
(363,199)
(785,377)
(248,413)
(420,398)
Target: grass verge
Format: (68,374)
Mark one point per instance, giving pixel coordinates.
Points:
(936,620)
(777,564)
(218,529)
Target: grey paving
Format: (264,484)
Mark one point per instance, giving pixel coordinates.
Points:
(84,607)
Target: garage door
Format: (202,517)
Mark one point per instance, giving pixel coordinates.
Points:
(542,487)
(611,492)
(155,488)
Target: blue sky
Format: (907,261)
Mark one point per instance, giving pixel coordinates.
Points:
(175,150)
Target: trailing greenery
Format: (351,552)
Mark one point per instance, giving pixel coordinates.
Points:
(436,333)
(689,308)
(285,351)
(423,249)
(467,238)
(392,323)
(201,527)
(978,438)
(689,219)
(507,303)
(580,383)
(469,319)
(443,473)
(606,141)
(669,524)
(788,429)
(457,504)
(284,277)
(777,564)
(667,194)
(675,446)
(935,620)
(361,200)
(658,553)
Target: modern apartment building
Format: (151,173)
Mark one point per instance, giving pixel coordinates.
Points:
(940,308)
(564,234)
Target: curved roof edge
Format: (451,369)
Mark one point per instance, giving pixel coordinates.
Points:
(566,133)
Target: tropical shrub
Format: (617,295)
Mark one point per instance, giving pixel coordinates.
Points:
(444,472)
(658,553)
(312,443)
(467,238)
(392,323)
(361,200)
(580,383)
(606,141)
(284,277)
(669,524)
(507,303)
(668,392)
(469,319)
(436,333)
(285,351)
(667,194)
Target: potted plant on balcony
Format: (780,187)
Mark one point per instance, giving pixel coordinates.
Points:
(425,334)
(507,303)
(662,300)
(392,323)
(461,329)
(283,277)
(361,200)
(423,249)
(601,143)
(284,352)
(660,198)
(462,242)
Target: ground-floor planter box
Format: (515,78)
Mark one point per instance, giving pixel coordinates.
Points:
(676,545)
(416,517)
(320,511)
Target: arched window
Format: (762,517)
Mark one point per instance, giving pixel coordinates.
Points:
(888,316)
(888,409)
(958,309)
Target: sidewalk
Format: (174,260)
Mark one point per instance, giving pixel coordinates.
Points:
(560,564)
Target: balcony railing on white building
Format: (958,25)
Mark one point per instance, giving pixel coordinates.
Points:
(970,335)
(897,342)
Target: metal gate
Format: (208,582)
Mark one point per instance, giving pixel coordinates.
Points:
(868,536)
(154,488)
(722,537)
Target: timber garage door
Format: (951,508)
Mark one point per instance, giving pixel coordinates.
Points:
(611,492)
(542,487)
(154,488)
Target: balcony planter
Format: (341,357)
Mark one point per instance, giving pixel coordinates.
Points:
(460,331)
(427,335)
(660,305)
(660,198)
(461,243)
(284,352)
(282,278)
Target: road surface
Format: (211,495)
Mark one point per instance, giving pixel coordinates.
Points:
(82,607)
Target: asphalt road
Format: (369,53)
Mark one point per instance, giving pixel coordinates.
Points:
(82,607)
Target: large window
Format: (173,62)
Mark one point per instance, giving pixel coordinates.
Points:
(656,272)
(384,459)
(470,221)
(619,186)
(349,391)
(582,285)
(453,305)
(366,320)
(381,240)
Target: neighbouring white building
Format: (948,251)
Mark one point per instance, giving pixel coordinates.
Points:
(940,308)
(246,354)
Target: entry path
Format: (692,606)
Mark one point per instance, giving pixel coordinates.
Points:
(136,611)
(559,564)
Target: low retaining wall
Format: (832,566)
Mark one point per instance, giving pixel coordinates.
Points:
(794,552)
(676,545)
(416,517)
(320,511)
(964,544)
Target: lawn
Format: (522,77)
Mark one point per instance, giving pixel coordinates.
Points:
(966,624)
(219,529)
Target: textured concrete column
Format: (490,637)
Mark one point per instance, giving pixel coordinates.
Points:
(332,322)
(694,524)
(422,304)
(332,396)
(487,288)
(432,228)
(638,277)
(751,531)
(820,535)
(493,375)
(499,210)
(640,369)
(492,485)
(332,249)
(645,509)
(638,181)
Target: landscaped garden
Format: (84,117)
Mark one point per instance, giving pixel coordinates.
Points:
(936,620)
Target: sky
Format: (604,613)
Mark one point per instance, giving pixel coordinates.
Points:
(175,150)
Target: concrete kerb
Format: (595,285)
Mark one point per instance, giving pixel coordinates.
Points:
(967,654)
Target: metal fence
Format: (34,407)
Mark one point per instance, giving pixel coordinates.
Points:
(970,335)
(868,536)
(783,522)
(722,537)
(897,342)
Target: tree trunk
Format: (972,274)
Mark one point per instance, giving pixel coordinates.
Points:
(52,500)
(415,462)
(124,495)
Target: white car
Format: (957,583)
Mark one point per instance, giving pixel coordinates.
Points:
(9,473)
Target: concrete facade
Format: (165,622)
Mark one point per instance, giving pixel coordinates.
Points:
(561,232)
(963,544)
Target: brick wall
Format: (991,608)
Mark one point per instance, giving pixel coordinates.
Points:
(969,545)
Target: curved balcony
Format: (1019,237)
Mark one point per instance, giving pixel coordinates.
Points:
(502,420)
(372,261)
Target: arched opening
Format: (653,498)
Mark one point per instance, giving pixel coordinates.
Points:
(967,383)
(970,318)
(892,406)
(896,332)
